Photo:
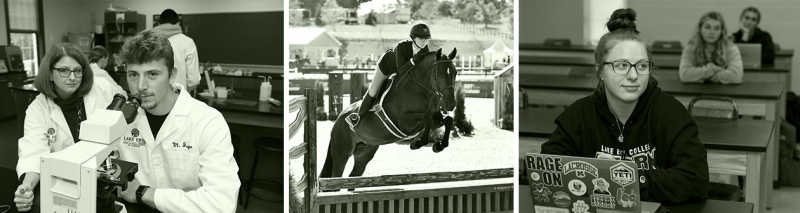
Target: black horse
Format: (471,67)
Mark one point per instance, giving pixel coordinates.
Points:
(412,103)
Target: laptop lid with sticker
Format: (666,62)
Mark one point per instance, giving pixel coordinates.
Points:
(582,185)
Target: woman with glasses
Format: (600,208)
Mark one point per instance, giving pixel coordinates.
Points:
(711,56)
(629,117)
(68,93)
(751,33)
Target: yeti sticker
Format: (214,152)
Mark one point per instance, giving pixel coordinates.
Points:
(622,174)
(580,169)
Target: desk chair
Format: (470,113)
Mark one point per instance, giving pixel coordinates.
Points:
(721,191)
(270,148)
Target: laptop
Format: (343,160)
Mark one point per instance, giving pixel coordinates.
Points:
(751,55)
(566,184)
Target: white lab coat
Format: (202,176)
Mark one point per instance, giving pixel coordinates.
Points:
(190,163)
(100,73)
(43,114)
(187,64)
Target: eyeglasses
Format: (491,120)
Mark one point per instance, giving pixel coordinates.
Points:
(622,67)
(64,72)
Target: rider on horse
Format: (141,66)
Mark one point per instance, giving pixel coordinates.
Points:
(407,53)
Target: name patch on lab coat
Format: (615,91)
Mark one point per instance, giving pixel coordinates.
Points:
(134,140)
(181,146)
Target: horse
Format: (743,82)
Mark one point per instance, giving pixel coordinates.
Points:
(412,103)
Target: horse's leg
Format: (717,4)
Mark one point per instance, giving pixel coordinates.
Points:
(362,154)
(339,150)
(448,126)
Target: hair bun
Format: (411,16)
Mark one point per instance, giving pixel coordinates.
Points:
(622,19)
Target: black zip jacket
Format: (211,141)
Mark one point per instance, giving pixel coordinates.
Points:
(759,37)
(659,136)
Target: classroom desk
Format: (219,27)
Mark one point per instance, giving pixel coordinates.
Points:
(710,206)
(782,58)
(744,139)
(752,98)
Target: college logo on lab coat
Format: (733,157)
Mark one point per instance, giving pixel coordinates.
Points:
(135,141)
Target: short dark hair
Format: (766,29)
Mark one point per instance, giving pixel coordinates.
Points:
(97,53)
(146,47)
(168,16)
(44,79)
(753,10)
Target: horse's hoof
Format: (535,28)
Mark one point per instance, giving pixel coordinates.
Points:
(438,147)
(415,145)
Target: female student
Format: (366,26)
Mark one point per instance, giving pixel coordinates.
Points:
(628,117)
(751,33)
(711,56)
(68,93)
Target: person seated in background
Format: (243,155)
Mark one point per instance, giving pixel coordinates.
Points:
(98,59)
(710,55)
(751,33)
(629,117)
(68,92)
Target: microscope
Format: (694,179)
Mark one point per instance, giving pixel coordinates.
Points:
(85,176)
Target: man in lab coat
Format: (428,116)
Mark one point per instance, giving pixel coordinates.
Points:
(187,65)
(181,145)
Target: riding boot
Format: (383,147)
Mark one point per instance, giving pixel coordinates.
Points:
(366,104)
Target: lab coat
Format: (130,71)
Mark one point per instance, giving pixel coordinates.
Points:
(190,163)
(187,64)
(100,73)
(44,115)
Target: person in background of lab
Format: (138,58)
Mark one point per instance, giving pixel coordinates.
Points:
(187,64)
(182,145)
(711,56)
(68,92)
(406,53)
(751,33)
(98,59)
(628,117)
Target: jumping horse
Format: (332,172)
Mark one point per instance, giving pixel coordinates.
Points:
(413,102)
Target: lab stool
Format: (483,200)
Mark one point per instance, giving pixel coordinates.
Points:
(269,148)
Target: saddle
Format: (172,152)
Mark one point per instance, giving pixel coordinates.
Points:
(378,115)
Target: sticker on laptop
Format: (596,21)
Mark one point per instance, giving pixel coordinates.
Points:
(579,206)
(548,209)
(541,193)
(601,197)
(547,169)
(622,174)
(577,187)
(561,199)
(535,176)
(580,168)
(626,199)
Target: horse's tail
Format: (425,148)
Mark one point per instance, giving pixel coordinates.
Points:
(464,126)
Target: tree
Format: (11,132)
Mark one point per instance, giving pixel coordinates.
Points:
(313,6)
(352,4)
(446,8)
(428,10)
(329,13)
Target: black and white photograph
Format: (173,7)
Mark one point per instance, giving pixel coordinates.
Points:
(658,106)
(141,106)
(401,105)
